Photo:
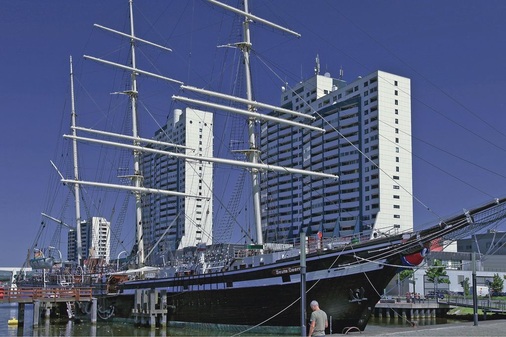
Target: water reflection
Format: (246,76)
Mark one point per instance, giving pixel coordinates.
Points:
(85,328)
(71,329)
(400,321)
(93,330)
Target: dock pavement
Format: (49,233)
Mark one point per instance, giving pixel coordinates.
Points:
(484,328)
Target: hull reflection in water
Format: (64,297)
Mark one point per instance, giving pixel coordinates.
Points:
(85,328)
(392,322)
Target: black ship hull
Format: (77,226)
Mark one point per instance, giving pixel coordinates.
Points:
(347,282)
(262,290)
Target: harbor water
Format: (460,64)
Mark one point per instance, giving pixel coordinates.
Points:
(85,328)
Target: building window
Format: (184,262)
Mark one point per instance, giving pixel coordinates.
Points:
(396,187)
(396,102)
(396,140)
(396,93)
(396,111)
(396,130)
(397,216)
(397,169)
(396,121)
(397,206)
(396,196)
(396,159)
(396,83)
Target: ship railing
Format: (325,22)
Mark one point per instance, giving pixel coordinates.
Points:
(313,244)
(245,252)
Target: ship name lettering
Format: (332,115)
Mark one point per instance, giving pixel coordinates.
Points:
(287,270)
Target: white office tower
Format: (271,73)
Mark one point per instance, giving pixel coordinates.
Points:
(367,143)
(96,238)
(176,222)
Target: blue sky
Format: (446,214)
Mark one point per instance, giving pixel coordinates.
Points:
(453,51)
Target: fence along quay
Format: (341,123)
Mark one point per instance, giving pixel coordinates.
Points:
(435,308)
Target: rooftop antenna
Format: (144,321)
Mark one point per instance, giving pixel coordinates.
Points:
(317,66)
(341,73)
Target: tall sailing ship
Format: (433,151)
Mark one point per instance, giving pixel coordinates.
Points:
(262,284)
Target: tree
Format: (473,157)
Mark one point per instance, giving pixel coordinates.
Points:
(466,286)
(497,284)
(437,273)
(406,274)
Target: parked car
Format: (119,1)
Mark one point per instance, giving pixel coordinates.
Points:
(496,293)
(439,294)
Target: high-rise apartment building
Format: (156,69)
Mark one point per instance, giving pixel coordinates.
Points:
(367,143)
(95,240)
(72,245)
(173,221)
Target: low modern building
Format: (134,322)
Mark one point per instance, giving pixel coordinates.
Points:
(491,243)
(489,261)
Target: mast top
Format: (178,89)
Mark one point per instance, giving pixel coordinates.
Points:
(255,18)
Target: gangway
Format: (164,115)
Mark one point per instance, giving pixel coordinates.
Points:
(46,299)
(29,295)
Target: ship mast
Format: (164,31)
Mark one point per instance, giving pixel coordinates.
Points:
(77,189)
(137,176)
(253,151)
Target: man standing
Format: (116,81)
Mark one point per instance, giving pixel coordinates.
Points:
(318,320)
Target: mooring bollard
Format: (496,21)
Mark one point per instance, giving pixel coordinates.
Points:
(93,310)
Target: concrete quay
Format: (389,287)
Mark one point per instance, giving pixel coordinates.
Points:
(484,328)
(411,311)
